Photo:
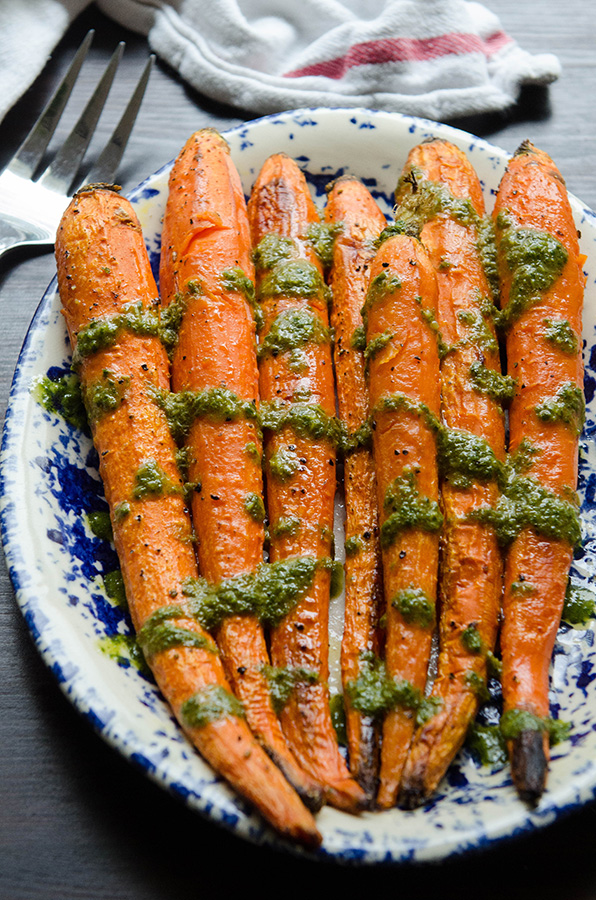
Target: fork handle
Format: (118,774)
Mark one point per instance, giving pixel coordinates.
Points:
(11,237)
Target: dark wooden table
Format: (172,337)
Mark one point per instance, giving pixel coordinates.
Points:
(76,820)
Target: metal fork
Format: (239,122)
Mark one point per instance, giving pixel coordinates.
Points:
(30,210)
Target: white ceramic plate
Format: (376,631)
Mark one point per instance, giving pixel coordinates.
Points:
(49,482)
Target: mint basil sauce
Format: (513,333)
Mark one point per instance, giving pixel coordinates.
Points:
(374,692)
(104,395)
(321,236)
(100,524)
(113,583)
(236,281)
(269,593)
(353,545)
(150,480)
(254,506)
(381,286)
(283,681)
(102,333)
(561,335)
(415,606)
(428,315)
(272,250)
(286,526)
(407,508)
(182,408)
(515,721)
(376,344)
(291,330)
(338,718)
(487,745)
(155,637)
(499,388)
(211,704)
(579,605)
(283,463)
(294,278)
(63,397)
(477,686)
(121,511)
(463,458)
(471,639)
(124,650)
(535,259)
(306,419)
(171,316)
(479,334)
(567,406)
(358,339)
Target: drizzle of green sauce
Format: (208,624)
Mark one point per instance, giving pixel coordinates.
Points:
(383,284)
(535,259)
(471,639)
(104,395)
(487,745)
(407,509)
(102,333)
(355,440)
(113,583)
(464,457)
(253,452)
(480,334)
(211,704)
(374,692)
(283,463)
(254,506)
(100,524)
(286,526)
(487,250)
(121,511)
(272,250)
(500,388)
(292,329)
(415,607)
(560,333)
(376,344)
(338,718)
(124,649)
(515,721)
(321,236)
(294,278)
(358,339)
(428,315)
(399,403)
(236,281)
(419,200)
(353,545)
(568,406)
(182,408)
(283,681)
(306,419)
(171,316)
(579,605)
(63,397)
(269,593)
(155,636)
(522,588)
(477,685)
(152,481)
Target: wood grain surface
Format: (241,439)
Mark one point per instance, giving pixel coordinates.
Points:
(77,820)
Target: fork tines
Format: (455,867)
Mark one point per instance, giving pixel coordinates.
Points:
(60,175)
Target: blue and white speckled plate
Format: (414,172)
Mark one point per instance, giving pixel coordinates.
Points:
(49,483)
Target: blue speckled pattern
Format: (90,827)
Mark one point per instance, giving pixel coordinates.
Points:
(49,482)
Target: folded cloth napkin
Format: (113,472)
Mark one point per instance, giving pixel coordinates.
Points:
(434,58)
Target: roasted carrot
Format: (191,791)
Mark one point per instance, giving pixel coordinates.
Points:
(542,290)
(403,369)
(440,195)
(351,209)
(109,301)
(206,273)
(298,417)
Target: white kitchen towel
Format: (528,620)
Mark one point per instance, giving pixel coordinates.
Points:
(434,58)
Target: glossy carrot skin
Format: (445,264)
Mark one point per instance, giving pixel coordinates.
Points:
(280,204)
(404,445)
(351,205)
(532,192)
(103,266)
(205,240)
(471,565)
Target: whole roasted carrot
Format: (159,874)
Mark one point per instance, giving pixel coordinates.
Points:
(298,417)
(110,304)
(403,369)
(542,290)
(206,280)
(351,208)
(440,195)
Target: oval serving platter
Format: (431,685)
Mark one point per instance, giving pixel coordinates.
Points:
(49,486)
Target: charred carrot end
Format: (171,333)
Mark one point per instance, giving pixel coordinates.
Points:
(358,220)
(440,197)
(108,295)
(542,292)
(301,437)
(404,398)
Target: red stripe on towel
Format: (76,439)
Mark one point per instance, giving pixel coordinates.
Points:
(403,50)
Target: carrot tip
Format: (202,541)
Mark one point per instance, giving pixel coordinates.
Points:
(529,766)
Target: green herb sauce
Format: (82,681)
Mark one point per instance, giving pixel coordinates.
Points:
(63,397)
(471,640)
(579,605)
(561,335)
(321,236)
(477,685)
(294,278)
(535,259)
(374,692)
(121,511)
(487,744)
(211,704)
(254,506)
(272,250)
(101,334)
(428,315)
(376,344)
(353,545)
(171,316)
(182,408)
(464,457)
(236,281)
(100,524)
(152,481)
(381,286)
(286,526)
(480,334)
(283,681)
(415,606)
(407,509)
(306,419)
(358,339)
(515,721)
(104,395)
(155,637)
(113,583)
(283,464)
(500,388)
(355,440)
(568,406)
(291,330)
(124,649)
(338,718)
